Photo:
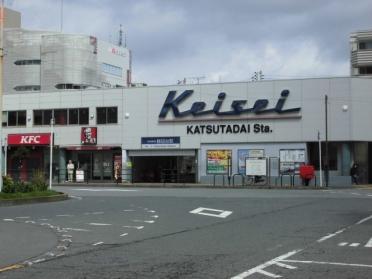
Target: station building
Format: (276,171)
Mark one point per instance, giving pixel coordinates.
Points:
(193,131)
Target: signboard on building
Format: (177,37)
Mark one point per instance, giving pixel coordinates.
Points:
(244,153)
(29,139)
(291,160)
(160,142)
(88,135)
(256,166)
(218,161)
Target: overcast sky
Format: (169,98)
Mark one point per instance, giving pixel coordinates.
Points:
(221,40)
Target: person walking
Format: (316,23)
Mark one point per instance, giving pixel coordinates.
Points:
(354,173)
(117,173)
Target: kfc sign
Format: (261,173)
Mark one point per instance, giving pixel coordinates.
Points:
(29,139)
(88,135)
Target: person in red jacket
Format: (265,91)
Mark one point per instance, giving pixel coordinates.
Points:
(307,173)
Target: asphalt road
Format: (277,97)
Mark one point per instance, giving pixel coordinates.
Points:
(190,233)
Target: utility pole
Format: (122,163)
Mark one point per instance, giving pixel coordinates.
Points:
(326,163)
(51,153)
(1,86)
(320,161)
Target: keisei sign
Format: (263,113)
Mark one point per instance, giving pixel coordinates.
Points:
(29,139)
(261,108)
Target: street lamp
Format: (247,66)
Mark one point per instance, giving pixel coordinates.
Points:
(51,152)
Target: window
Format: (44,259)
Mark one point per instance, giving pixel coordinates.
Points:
(75,116)
(28,62)
(14,118)
(60,116)
(107,115)
(367,70)
(27,88)
(112,70)
(365,45)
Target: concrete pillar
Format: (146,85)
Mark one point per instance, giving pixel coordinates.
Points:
(126,166)
(345,159)
(62,164)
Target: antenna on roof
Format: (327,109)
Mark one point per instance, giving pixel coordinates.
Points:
(120,43)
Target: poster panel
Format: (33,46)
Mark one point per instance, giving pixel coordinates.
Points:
(256,166)
(218,161)
(251,153)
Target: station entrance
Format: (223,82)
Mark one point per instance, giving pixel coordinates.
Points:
(164,169)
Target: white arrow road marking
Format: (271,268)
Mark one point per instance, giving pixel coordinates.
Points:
(134,227)
(217,212)
(99,224)
(259,268)
(369,243)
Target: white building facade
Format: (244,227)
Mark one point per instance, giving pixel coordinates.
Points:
(196,132)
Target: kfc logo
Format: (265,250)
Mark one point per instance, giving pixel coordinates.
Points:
(29,139)
(89,135)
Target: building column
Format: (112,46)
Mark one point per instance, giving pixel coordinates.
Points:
(126,166)
(345,159)
(62,164)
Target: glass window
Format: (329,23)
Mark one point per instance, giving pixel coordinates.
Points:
(22,118)
(5,118)
(83,116)
(47,116)
(73,116)
(60,116)
(12,118)
(38,117)
(101,116)
(112,115)
(313,151)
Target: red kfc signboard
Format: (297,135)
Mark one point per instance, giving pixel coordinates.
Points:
(29,139)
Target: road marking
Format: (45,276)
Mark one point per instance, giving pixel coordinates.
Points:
(356,194)
(104,190)
(259,268)
(327,263)
(354,244)
(94,213)
(99,224)
(342,244)
(144,221)
(39,260)
(64,215)
(221,213)
(30,222)
(62,247)
(128,210)
(66,235)
(134,227)
(11,267)
(44,219)
(124,234)
(155,216)
(364,220)
(369,195)
(76,229)
(151,211)
(66,240)
(98,243)
(23,217)
(369,243)
(330,235)
(8,220)
(76,197)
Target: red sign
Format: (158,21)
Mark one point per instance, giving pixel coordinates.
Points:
(88,135)
(29,139)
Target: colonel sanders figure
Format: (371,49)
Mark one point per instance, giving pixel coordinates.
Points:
(89,136)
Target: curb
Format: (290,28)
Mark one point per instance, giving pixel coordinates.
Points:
(31,200)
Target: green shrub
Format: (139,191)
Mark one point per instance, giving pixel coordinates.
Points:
(38,181)
(8,185)
(22,187)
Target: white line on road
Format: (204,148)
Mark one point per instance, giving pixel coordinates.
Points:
(259,268)
(30,222)
(128,210)
(144,221)
(39,261)
(343,244)
(8,220)
(66,240)
(369,243)
(330,235)
(327,263)
(134,227)
(23,217)
(98,243)
(356,194)
(364,220)
(94,213)
(151,211)
(124,234)
(66,235)
(76,197)
(104,190)
(354,244)
(99,224)
(155,216)
(64,215)
(218,213)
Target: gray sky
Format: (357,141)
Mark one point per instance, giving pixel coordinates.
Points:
(222,40)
